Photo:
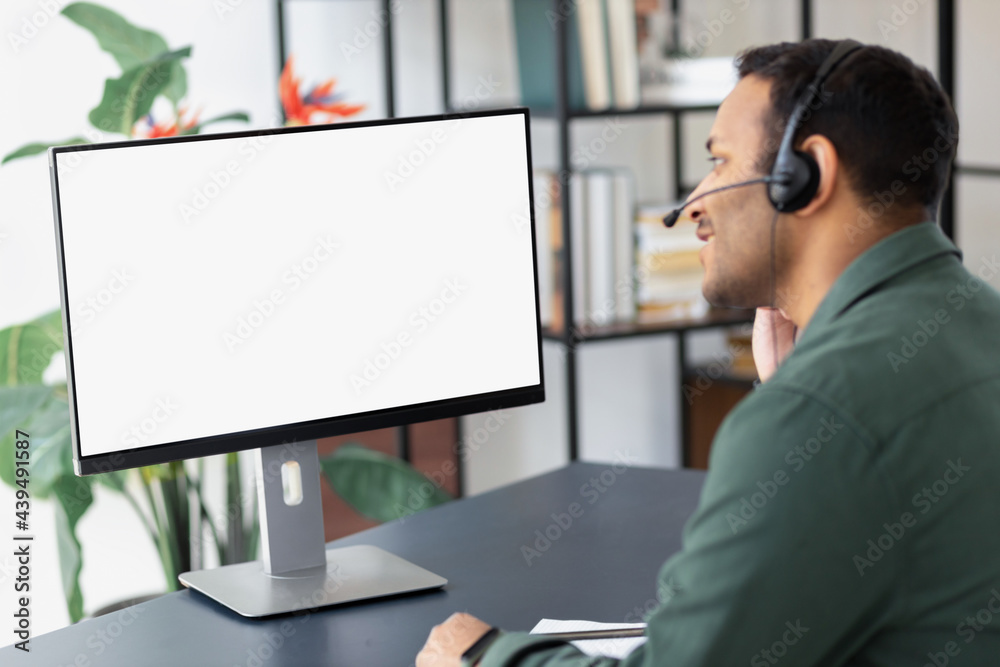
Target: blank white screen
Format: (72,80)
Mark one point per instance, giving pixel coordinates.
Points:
(225,285)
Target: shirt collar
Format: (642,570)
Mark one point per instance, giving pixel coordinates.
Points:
(883,261)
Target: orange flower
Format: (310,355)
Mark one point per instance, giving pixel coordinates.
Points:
(148,129)
(320,105)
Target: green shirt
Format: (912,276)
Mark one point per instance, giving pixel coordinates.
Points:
(851,512)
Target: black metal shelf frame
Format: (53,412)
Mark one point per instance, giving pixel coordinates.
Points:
(563,115)
(403,434)
(570,341)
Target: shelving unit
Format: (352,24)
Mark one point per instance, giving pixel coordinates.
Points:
(572,338)
(564,115)
(403,440)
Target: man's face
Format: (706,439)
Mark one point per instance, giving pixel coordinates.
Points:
(737,222)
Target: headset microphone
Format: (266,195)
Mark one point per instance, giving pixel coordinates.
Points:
(795,176)
(670,219)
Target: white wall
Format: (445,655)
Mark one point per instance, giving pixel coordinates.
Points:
(50,84)
(628,397)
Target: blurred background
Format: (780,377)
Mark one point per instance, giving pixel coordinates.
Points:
(52,74)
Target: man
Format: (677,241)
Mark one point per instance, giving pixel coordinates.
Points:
(850,513)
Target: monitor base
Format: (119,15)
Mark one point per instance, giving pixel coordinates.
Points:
(351,574)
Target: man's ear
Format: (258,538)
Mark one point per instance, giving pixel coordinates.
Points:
(822,150)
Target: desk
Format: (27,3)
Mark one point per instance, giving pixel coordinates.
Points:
(601,567)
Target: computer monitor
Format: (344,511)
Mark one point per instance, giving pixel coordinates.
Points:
(263,289)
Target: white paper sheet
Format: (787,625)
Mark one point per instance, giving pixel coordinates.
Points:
(612,648)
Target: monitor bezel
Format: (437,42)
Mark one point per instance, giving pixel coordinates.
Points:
(301,431)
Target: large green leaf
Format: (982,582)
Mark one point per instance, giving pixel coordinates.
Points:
(236,115)
(51,323)
(177,88)
(74,497)
(114,480)
(379,487)
(128,44)
(16,406)
(130,97)
(26,350)
(51,446)
(37,147)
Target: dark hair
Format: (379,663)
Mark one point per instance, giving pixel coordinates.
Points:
(892,125)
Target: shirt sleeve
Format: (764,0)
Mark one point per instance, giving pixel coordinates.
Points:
(776,561)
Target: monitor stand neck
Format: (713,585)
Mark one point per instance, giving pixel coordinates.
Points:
(298,572)
(291,508)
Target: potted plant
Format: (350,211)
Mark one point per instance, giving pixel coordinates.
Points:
(168,498)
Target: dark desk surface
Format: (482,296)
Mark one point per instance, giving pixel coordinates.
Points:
(600,568)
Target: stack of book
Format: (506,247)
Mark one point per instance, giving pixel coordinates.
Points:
(627,266)
(603,63)
(689,81)
(669,273)
(610,65)
(602,224)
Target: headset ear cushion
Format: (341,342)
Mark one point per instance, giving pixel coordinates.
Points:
(804,183)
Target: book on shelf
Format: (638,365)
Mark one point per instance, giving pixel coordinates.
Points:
(669,271)
(672,73)
(602,53)
(600,237)
(609,239)
(547,229)
(593,26)
(689,81)
(602,217)
(627,267)
(535,34)
(580,249)
(624,245)
(624,51)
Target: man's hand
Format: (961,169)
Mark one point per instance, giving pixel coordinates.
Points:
(448,641)
(773,340)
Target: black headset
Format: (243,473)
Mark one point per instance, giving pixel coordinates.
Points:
(794,179)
